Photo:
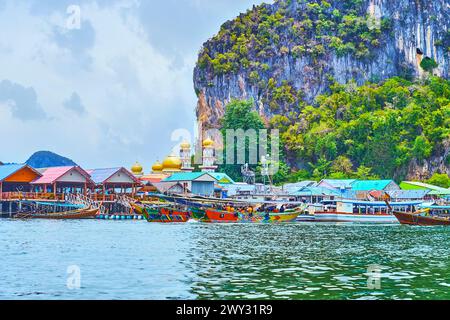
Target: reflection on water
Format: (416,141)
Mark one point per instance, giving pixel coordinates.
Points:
(138,260)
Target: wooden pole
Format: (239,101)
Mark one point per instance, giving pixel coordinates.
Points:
(1,190)
(54,190)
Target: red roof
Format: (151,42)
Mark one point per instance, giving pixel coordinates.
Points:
(51,175)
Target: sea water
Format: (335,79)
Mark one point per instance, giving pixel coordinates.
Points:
(93,259)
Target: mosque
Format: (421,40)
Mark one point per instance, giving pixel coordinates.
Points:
(179,163)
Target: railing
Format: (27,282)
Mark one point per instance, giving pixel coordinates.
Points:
(124,199)
(31,196)
(85,201)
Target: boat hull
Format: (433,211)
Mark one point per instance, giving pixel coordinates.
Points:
(353,217)
(214,216)
(199,215)
(166,215)
(76,215)
(283,217)
(418,220)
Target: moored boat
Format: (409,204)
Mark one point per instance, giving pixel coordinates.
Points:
(361,211)
(427,216)
(166,215)
(69,215)
(219,216)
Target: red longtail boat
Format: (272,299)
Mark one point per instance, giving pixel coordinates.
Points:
(219,216)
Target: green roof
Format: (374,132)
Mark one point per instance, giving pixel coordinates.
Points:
(435,190)
(186,176)
(222,177)
(368,185)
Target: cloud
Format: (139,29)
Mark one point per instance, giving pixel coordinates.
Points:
(131,63)
(22,101)
(74,103)
(77,41)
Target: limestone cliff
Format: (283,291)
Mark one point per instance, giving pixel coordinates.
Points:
(286,53)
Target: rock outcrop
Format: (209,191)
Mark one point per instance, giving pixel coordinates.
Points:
(286,53)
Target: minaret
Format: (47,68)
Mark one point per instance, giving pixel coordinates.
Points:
(185,156)
(208,156)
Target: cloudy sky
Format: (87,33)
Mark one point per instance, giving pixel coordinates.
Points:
(109,92)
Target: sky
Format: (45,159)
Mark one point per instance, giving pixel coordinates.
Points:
(103,82)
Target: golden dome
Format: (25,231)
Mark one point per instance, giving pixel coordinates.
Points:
(137,169)
(208,143)
(185,145)
(172,163)
(157,167)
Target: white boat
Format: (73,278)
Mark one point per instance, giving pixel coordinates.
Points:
(361,211)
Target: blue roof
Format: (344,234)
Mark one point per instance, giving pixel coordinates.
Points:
(99,176)
(9,169)
(338,183)
(408,194)
(186,176)
(316,191)
(369,185)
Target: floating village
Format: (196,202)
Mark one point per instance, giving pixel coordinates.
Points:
(173,192)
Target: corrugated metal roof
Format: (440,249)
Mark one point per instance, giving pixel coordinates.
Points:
(316,191)
(294,187)
(186,176)
(408,194)
(338,183)
(100,176)
(7,170)
(51,175)
(368,185)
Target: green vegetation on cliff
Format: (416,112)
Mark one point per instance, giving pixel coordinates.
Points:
(378,126)
(262,33)
(367,132)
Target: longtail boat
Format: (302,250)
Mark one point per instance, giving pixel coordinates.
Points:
(69,215)
(165,215)
(361,211)
(199,214)
(219,216)
(427,216)
(269,217)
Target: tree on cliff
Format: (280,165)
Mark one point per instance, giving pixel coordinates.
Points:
(239,115)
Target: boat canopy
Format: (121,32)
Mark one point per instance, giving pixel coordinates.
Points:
(379,203)
(435,207)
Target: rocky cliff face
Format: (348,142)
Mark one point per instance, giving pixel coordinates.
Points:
(287,53)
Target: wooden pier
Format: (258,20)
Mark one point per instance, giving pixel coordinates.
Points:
(9,208)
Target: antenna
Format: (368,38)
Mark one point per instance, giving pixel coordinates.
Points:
(247,174)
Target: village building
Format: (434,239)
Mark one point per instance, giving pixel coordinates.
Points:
(370,189)
(315,194)
(197,183)
(341,185)
(109,181)
(59,181)
(17,178)
(289,188)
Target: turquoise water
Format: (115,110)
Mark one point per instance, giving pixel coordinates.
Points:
(139,260)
